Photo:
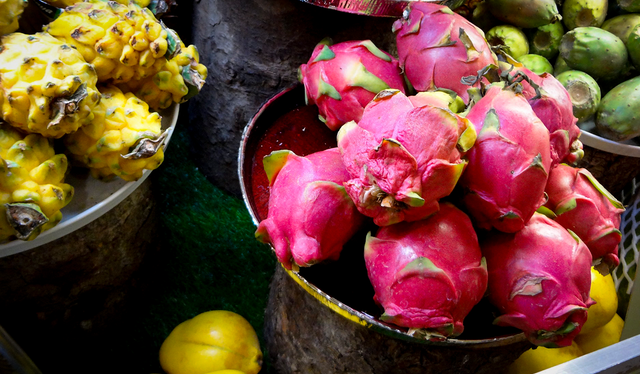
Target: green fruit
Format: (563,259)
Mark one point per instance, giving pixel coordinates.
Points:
(483,18)
(545,40)
(629,5)
(511,38)
(618,115)
(633,46)
(595,51)
(536,64)
(584,92)
(622,25)
(560,66)
(583,13)
(525,13)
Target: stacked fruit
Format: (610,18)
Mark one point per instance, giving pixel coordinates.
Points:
(464,175)
(592,47)
(90,85)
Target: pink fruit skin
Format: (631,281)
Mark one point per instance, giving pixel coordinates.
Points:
(539,279)
(432,53)
(508,166)
(581,207)
(555,110)
(427,274)
(310,215)
(402,159)
(339,73)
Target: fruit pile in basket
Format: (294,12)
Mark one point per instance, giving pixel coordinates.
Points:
(88,87)
(592,47)
(461,159)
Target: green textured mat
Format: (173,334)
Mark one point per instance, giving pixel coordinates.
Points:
(209,258)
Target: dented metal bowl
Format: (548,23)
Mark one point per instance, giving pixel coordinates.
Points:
(342,287)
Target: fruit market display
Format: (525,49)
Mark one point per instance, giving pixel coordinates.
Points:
(90,86)
(466,177)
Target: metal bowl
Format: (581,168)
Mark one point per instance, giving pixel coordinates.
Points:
(285,122)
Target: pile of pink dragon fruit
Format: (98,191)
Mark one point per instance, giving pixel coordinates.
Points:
(465,162)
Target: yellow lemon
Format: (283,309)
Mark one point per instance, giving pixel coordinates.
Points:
(601,337)
(541,358)
(212,341)
(603,291)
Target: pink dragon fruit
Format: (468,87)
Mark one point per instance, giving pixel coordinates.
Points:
(342,78)
(427,274)
(582,205)
(310,215)
(539,279)
(437,47)
(504,182)
(552,104)
(403,158)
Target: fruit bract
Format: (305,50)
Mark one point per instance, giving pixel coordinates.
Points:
(437,47)
(427,274)
(403,156)
(582,205)
(539,279)
(551,102)
(211,341)
(311,216)
(342,78)
(504,181)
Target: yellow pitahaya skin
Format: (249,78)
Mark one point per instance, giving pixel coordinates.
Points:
(310,216)
(10,13)
(342,78)
(539,279)
(581,204)
(403,156)
(108,146)
(122,42)
(427,274)
(31,175)
(47,86)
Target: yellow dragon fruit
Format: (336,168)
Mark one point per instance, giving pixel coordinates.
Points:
(123,140)
(32,191)
(123,42)
(180,78)
(47,86)
(10,12)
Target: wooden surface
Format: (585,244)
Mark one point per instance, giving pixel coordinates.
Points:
(253,50)
(56,300)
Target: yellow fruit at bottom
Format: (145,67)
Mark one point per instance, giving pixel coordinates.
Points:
(227,372)
(603,291)
(541,358)
(601,337)
(212,341)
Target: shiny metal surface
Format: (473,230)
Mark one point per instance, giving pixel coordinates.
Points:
(376,8)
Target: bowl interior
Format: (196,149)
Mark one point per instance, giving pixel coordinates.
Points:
(285,122)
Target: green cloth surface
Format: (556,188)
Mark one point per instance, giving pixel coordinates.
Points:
(209,259)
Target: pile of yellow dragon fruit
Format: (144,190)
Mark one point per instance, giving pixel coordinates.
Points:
(464,163)
(84,91)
